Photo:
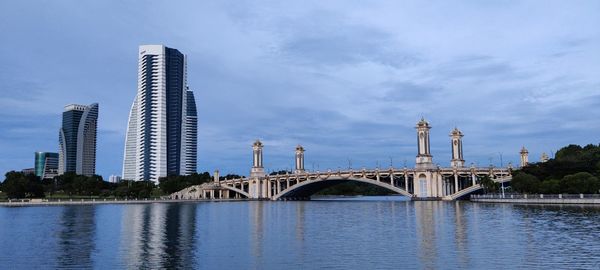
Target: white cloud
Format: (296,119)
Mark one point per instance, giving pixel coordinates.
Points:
(345,79)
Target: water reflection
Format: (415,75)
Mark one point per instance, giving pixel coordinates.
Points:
(256,223)
(460,234)
(76,237)
(302,235)
(425,213)
(159,236)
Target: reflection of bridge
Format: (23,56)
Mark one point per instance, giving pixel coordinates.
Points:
(425,181)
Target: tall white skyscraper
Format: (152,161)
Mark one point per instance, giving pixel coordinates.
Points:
(161,137)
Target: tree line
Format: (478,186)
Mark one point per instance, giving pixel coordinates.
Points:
(574,170)
(17,185)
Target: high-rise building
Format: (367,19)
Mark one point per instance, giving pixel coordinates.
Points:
(77,139)
(114,179)
(46,165)
(161,137)
(28,171)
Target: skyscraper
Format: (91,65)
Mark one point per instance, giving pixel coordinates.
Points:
(77,139)
(46,164)
(161,137)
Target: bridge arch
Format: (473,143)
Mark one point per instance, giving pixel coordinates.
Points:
(309,187)
(195,192)
(236,190)
(472,189)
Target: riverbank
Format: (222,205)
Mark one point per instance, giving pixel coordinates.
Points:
(538,198)
(44,202)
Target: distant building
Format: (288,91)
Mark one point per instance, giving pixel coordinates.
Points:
(114,179)
(524,157)
(28,171)
(46,165)
(77,139)
(161,136)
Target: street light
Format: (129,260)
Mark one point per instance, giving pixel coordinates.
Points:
(502,183)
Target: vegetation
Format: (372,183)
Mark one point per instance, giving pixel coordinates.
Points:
(574,170)
(280,172)
(230,176)
(355,188)
(172,184)
(489,186)
(18,185)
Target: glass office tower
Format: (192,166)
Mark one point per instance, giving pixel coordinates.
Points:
(46,165)
(77,139)
(161,136)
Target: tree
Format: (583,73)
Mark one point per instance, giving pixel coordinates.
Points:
(18,185)
(551,186)
(174,183)
(230,176)
(569,162)
(280,172)
(489,185)
(582,182)
(526,183)
(572,151)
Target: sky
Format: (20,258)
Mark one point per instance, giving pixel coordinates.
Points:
(348,80)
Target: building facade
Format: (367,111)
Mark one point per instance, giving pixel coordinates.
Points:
(28,171)
(77,139)
(46,165)
(161,136)
(114,179)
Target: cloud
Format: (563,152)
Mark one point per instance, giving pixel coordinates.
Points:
(347,80)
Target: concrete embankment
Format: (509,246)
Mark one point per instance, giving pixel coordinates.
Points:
(539,199)
(42,202)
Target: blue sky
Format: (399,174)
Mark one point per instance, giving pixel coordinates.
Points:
(346,79)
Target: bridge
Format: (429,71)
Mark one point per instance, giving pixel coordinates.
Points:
(425,181)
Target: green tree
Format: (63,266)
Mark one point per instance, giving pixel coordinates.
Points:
(489,185)
(525,183)
(551,186)
(570,152)
(172,184)
(582,182)
(19,185)
(569,161)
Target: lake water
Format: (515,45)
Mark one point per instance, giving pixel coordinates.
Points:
(364,233)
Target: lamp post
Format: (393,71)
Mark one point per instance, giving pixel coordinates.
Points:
(501,165)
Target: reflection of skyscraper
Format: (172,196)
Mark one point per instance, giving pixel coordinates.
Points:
(162,129)
(46,164)
(76,237)
(159,236)
(77,139)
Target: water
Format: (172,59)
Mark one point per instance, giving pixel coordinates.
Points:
(364,233)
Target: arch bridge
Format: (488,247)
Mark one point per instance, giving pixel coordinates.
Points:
(442,184)
(424,181)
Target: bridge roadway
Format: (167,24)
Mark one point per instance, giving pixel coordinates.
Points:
(429,184)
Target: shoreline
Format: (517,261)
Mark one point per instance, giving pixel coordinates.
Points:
(34,202)
(590,199)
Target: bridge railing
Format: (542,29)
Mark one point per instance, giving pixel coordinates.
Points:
(536,196)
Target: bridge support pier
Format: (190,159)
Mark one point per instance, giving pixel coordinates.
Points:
(278,186)
(455,183)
